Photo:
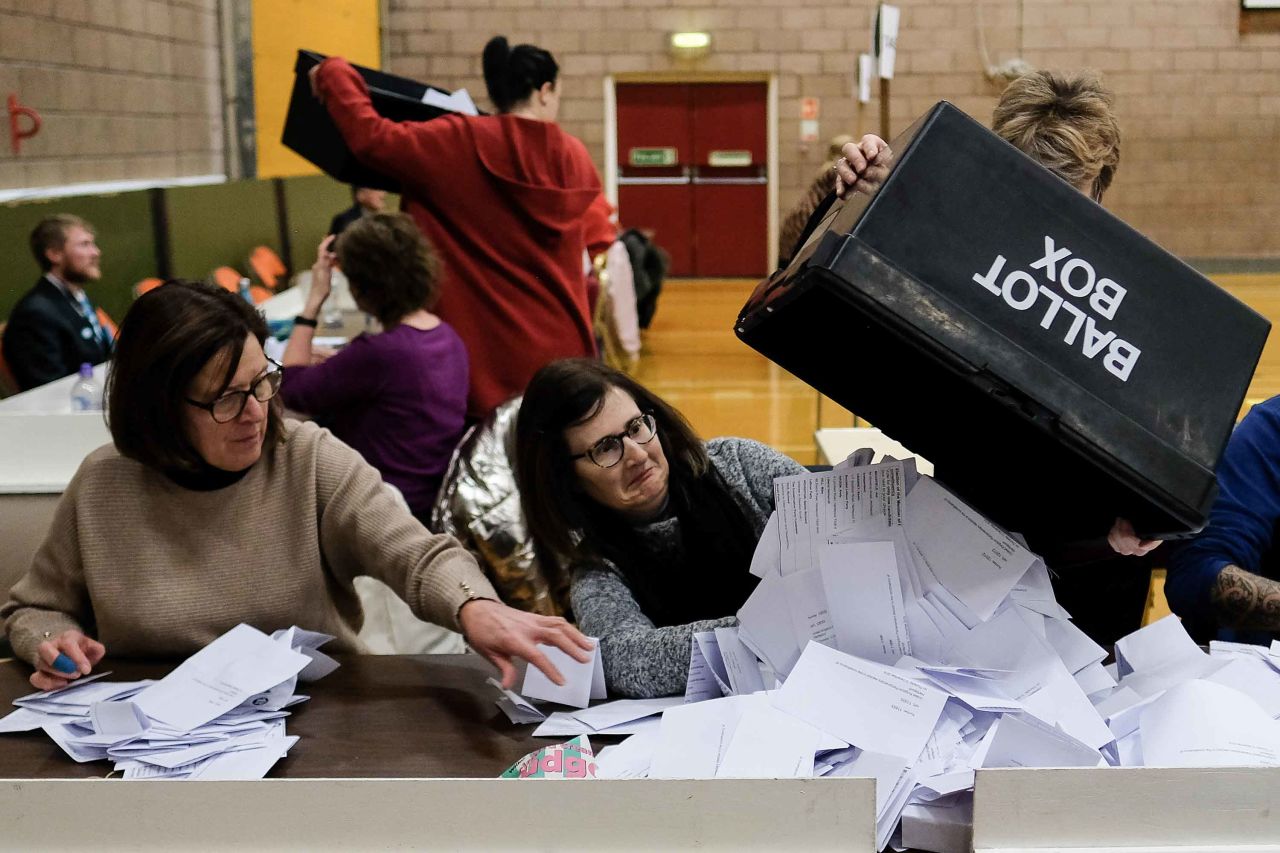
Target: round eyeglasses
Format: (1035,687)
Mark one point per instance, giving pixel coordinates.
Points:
(608,451)
(231,405)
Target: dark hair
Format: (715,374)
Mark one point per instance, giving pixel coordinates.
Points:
(392,268)
(513,74)
(166,339)
(1066,122)
(51,233)
(569,527)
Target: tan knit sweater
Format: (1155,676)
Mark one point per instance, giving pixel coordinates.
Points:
(153,569)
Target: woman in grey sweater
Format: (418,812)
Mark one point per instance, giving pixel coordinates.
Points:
(656,528)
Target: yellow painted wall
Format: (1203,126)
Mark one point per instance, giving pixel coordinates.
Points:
(347,28)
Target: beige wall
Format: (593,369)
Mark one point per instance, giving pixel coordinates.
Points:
(128,89)
(1199,103)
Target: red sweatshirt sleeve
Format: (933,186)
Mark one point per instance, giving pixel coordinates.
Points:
(598,231)
(396,149)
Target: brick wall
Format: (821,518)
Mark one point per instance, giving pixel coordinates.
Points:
(128,89)
(1199,104)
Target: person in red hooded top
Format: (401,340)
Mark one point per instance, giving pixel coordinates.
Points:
(505,201)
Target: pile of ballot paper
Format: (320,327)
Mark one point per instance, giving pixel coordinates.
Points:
(897,634)
(218,715)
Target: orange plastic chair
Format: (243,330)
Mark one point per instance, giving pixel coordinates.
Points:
(107,323)
(267,266)
(146,286)
(227,278)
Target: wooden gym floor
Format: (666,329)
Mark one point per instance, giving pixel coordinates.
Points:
(693,360)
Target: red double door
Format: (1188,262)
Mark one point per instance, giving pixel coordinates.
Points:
(692,167)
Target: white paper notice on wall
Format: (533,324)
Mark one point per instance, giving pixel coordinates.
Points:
(866,73)
(887,38)
(809,130)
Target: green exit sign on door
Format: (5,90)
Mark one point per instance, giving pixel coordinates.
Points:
(729,158)
(652,157)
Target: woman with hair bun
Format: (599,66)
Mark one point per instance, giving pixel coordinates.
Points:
(504,199)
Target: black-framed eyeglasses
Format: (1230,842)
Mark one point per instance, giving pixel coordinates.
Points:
(608,451)
(230,405)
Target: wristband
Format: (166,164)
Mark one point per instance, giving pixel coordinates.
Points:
(305,321)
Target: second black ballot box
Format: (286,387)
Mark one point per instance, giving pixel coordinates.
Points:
(310,131)
(1058,368)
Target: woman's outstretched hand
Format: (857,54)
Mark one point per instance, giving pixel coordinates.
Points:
(501,633)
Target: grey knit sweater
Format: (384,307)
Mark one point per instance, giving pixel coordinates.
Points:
(639,659)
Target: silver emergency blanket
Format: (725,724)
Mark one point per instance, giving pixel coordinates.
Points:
(479,505)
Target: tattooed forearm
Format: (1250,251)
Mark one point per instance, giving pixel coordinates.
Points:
(1247,601)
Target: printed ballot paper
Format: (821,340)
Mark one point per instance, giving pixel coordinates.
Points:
(582,681)
(868,614)
(219,715)
(708,679)
(769,744)
(240,663)
(1202,724)
(973,559)
(869,705)
(811,507)
(915,643)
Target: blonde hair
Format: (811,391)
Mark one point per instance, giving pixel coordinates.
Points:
(1065,122)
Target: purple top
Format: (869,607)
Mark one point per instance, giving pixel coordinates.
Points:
(399,398)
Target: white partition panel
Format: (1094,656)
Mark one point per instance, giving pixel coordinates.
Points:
(356,814)
(1215,809)
(836,443)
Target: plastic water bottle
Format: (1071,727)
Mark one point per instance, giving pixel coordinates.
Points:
(86,394)
(244,291)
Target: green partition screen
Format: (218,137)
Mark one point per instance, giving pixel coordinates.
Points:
(125,233)
(219,225)
(310,203)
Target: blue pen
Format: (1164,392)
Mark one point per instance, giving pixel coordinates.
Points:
(65,664)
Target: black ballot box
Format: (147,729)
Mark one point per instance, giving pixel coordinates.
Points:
(310,131)
(1054,364)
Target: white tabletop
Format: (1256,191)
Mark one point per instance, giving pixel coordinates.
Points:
(53,398)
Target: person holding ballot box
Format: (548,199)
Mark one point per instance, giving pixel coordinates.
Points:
(1067,125)
(209,509)
(505,199)
(656,528)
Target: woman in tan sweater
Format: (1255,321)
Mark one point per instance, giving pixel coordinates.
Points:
(209,510)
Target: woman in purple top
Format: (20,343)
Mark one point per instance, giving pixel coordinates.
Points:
(398,397)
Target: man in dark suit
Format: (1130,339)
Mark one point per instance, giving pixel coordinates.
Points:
(54,328)
(365,200)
